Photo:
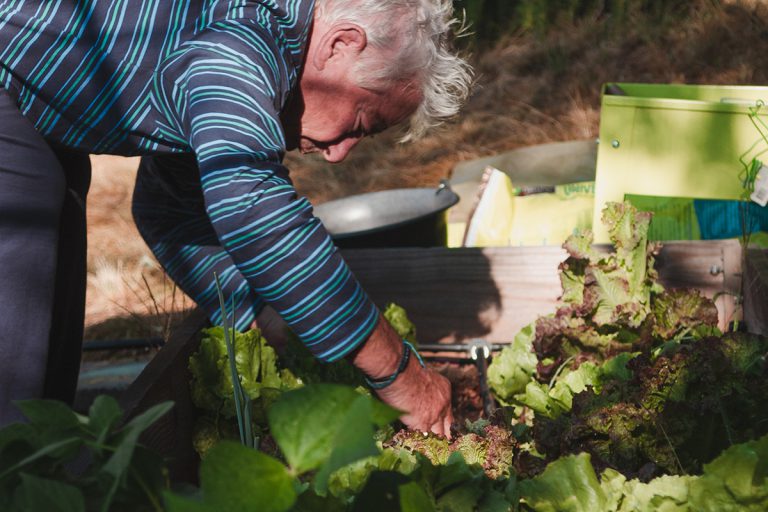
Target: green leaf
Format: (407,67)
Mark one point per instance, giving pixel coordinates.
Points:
(413,498)
(569,484)
(49,413)
(16,432)
(141,422)
(310,502)
(515,366)
(387,491)
(256,364)
(234,477)
(668,493)
(736,480)
(308,423)
(349,480)
(398,319)
(458,485)
(615,368)
(573,287)
(353,441)
(43,494)
(103,414)
(573,382)
(49,450)
(120,460)
(614,292)
(178,503)
(537,397)
(453,472)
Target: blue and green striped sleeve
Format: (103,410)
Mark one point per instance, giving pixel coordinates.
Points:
(221,93)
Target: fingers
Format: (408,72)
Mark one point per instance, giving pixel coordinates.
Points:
(439,428)
(447,422)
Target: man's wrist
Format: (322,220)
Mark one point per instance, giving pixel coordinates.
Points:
(381,354)
(409,351)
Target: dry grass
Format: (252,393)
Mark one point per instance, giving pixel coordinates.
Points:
(128,294)
(530,91)
(535,90)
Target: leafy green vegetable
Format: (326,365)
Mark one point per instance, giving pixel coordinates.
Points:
(567,485)
(326,427)
(235,477)
(735,481)
(514,367)
(612,302)
(256,363)
(666,493)
(212,390)
(678,411)
(492,449)
(398,319)
(683,312)
(114,471)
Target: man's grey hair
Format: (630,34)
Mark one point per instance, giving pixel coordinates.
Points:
(413,42)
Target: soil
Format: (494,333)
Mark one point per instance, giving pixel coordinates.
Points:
(466,400)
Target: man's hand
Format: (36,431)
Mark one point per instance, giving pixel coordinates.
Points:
(423,394)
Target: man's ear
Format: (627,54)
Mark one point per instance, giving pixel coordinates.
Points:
(342,40)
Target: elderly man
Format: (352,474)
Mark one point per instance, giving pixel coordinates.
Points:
(233,84)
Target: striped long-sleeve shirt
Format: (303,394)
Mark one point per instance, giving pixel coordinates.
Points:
(132,77)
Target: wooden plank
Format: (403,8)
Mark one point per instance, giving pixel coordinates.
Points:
(457,294)
(166,378)
(756,291)
(713,267)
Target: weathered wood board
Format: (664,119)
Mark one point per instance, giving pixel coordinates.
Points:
(166,378)
(756,291)
(456,294)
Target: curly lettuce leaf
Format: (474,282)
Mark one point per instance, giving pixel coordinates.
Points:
(256,363)
(618,285)
(398,318)
(684,312)
(514,367)
(567,485)
(736,480)
(553,401)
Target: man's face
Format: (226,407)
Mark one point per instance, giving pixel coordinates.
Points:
(330,113)
(334,120)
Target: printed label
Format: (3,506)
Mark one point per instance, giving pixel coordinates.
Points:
(760,195)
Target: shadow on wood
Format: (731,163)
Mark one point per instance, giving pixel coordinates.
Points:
(167,378)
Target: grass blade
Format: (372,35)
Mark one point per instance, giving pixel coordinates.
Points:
(231,353)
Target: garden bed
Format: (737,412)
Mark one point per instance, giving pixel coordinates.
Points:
(453,296)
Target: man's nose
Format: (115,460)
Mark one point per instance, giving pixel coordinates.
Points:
(338,152)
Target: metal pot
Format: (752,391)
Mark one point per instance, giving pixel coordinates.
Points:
(407,217)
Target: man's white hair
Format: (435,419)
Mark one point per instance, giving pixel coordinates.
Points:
(412,42)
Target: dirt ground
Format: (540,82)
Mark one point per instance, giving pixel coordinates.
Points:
(530,90)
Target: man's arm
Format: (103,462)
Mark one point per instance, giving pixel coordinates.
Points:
(422,393)
(221,99)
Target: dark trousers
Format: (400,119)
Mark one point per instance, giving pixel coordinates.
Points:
(42,263)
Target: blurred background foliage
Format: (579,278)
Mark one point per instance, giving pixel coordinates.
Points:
(490,20)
